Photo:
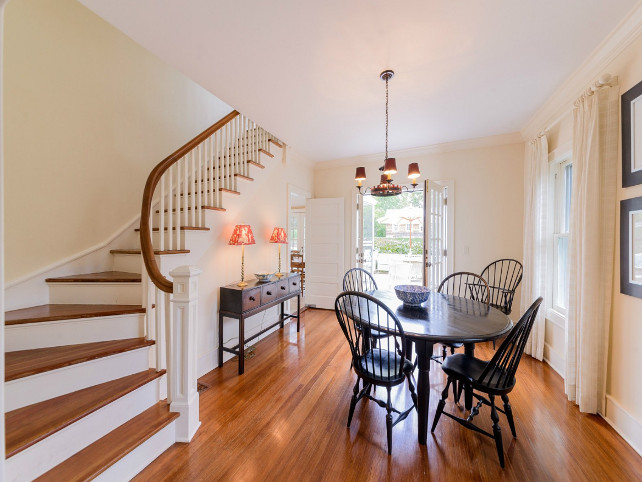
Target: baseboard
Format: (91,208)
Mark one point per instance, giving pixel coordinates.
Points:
(554,360)
(624,424)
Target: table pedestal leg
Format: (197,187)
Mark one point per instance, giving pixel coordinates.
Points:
(424,352)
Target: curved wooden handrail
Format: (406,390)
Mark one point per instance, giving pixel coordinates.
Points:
(147,248)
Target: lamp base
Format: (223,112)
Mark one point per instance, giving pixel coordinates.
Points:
(279,274)
(241,284)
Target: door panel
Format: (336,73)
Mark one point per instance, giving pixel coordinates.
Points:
(435,234)
(324,252)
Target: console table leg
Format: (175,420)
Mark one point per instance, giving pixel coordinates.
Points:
(282,313)
(220,340)
(298,312)
(241,345)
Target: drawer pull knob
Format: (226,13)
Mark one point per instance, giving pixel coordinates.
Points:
(269,293)
(252,298)
(282,287)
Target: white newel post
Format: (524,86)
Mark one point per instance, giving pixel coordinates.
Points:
(182,359)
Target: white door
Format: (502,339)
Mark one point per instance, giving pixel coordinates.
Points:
(435,234)
(324,259)
(365,227)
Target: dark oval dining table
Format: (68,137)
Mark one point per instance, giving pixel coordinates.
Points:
(443,318)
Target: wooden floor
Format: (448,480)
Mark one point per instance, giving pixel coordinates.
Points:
(284,419)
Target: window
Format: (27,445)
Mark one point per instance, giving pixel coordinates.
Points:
(562,183)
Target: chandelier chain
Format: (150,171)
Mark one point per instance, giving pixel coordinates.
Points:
(386,118)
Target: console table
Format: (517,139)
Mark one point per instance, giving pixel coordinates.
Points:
(241,303)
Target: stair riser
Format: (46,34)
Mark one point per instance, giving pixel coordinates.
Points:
(130,263)
(51,451)
(29,336)
(156,240)
(96,293)
(143,455)
(43,386)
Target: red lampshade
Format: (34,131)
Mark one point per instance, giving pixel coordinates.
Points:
(390,166)
(360,175)
(279,236)
(242,235)
(413,170)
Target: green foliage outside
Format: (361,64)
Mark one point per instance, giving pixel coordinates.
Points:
(397,245)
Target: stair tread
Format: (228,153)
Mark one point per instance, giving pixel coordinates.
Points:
(29,425)
(213,208)
(183,228)
(256,164)
(156,251)
(276,143)
(24,363)
(267,153)
(102,277)
(223,189)
(106,451)
(54,312)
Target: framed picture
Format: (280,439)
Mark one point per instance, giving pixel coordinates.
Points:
(631,247)
(632,136)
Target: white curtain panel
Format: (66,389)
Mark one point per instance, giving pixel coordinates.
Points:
(592,244)
(535,237)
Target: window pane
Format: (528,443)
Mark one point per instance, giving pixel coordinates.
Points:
(568,185)
(561,290)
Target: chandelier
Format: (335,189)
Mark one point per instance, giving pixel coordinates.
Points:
(386,186)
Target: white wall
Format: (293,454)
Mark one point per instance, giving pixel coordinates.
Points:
(88,113)
(2,258)
(488,194)
(623,407)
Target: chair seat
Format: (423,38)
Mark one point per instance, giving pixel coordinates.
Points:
(470,369)
(375,333)
(383,365)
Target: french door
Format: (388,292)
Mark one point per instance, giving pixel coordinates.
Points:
(435,234)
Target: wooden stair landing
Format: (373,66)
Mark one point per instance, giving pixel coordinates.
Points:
(102,277)
(55,312)
(29,425)
(24,363)
(105,452)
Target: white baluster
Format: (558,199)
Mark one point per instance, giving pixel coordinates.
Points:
(182,352)
(219,172)
(161,214)
(196,188)
(170,205)
(210,170)
(186,191)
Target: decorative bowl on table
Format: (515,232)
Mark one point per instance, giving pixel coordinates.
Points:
(263,277)
(412,295)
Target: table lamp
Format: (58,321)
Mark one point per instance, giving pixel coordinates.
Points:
(279,236)
(241,236)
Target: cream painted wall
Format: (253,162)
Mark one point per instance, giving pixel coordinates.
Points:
(489,191)
(625,354)
(88,113)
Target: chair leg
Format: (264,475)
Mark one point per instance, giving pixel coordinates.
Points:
(389,422)
(353,401)
(413,394)
(444,352)
(509,414)
(497,431)
(441,404)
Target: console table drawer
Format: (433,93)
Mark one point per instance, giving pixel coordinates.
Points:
(282,288)
(268,293)
(295,284)
(251,299)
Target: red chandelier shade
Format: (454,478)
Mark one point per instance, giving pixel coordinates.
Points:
(390,166)
(360,175)
(279,236)
(413,170)
(242,235)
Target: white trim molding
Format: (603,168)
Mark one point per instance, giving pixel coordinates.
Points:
(478,142)
(625,424)
(554,359)
(562,99)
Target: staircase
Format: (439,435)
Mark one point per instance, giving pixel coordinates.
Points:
(87,393)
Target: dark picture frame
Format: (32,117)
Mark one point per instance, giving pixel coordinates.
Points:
(629,244)
(630,176)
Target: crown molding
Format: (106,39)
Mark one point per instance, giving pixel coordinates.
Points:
(475,143)
(561,101)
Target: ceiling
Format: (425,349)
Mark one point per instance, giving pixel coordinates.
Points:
(309,71)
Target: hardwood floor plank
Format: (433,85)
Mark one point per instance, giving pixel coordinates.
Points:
(29,425)
(23,363)
(55,312)
(285,419)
